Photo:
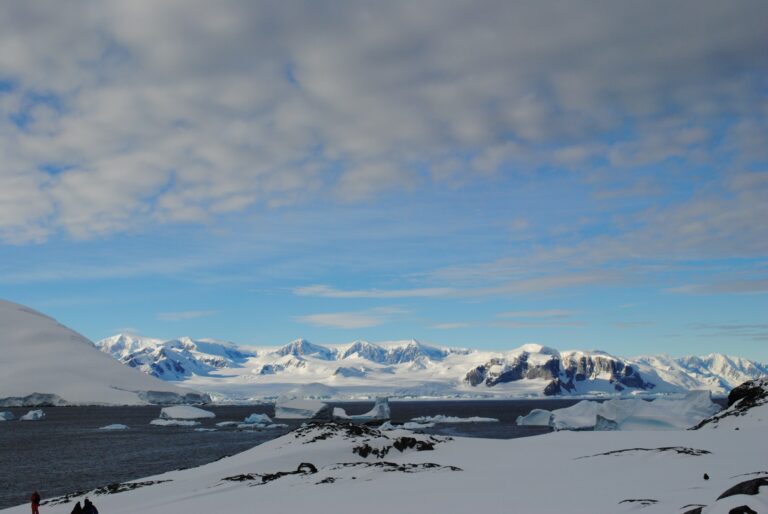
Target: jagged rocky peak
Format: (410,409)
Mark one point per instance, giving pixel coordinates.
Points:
(564,370)
(303,348)
(528,361)
(365,350)
(412,351)
(579,366)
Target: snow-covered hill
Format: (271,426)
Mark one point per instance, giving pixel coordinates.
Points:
(414,369)
(47,363)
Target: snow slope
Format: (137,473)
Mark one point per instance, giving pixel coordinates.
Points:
(349,469)
(45,358)
(410,368)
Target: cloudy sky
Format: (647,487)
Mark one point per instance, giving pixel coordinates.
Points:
(585,174)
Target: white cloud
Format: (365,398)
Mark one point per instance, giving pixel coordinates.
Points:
(182,111)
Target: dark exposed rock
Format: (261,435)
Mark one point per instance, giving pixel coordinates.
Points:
(387,466)
(564,373)
(695,510)
(641,501)
(750,487)
(742,509)
(680,450)
(405,443)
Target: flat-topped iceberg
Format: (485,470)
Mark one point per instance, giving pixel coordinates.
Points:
(379,412)
(295,408)
(627,414)
(185,412)
(33,415)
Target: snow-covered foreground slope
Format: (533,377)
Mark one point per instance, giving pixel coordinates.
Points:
(45,362)
(351,469)
(413,369)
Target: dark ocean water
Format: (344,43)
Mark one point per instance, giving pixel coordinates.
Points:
(67,452)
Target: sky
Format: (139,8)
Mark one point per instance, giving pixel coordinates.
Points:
(584,174)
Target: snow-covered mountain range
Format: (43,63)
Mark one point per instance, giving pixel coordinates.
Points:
(414,369)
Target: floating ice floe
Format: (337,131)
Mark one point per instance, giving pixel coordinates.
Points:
(260,426)
(33,415)
(6,416)
(380,412)
(174,422)
(116,426)
(627,414)
(201,429)
(227,423)
(408,425)
(185,412)
(295,408)
(453,419)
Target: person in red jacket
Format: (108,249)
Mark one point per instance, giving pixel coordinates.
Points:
(35,501)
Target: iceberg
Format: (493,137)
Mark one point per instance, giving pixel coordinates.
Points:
(185,412)
(116,426)
(294,408)
(628,414)
(262,419)
(536,418)
(33,415)
(440,418)
(174,422)
(6,416)
(379,412)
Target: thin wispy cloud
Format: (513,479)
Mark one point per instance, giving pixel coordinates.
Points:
(352,319)
(450,326)
(183,315)
(325,291)
(545,314)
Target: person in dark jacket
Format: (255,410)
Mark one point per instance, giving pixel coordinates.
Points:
(35,501)
(78,509)
(89,508)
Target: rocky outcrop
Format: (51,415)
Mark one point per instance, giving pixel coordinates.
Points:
(744,400)
(564,372)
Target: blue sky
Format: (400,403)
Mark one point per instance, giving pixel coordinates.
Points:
(477,175)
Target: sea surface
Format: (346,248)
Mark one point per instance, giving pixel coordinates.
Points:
(66,452)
